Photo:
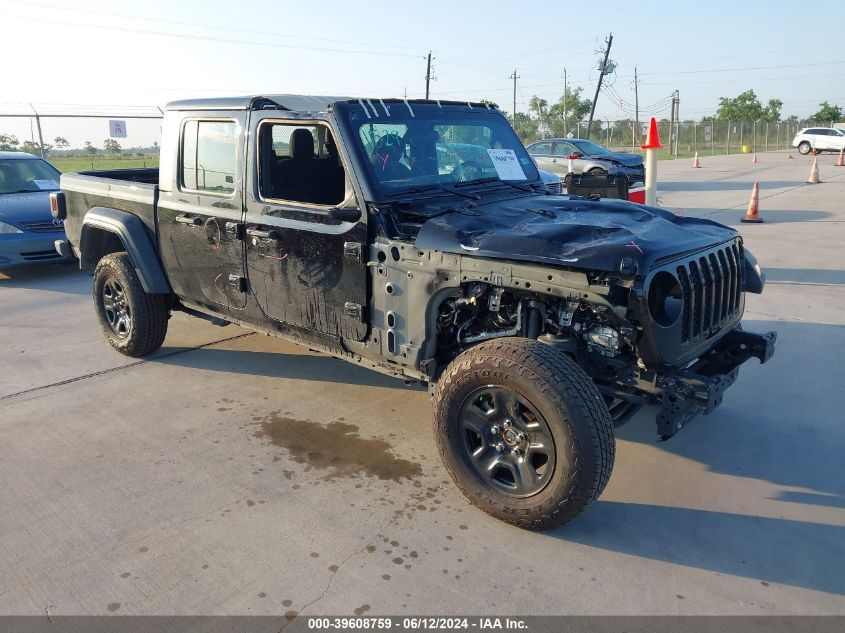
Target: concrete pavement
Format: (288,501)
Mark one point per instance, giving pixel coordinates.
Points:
(232,473)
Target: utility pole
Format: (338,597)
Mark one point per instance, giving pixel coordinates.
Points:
(677,121)
(636,106)
(609,41)
(514,76)
(565,89)
(427,74)
(673,142)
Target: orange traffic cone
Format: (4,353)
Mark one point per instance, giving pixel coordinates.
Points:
(695,162)
(652,139)
(841,161)
(814,173)
(753,213)
(754,160)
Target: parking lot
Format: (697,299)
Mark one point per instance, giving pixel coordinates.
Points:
(232,473)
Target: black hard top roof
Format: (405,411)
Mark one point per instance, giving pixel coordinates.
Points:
(295,103)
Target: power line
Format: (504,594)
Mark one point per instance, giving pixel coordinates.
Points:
(215,39)
(730,70)
(204,26)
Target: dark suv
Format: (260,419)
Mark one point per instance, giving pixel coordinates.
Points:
(417,239)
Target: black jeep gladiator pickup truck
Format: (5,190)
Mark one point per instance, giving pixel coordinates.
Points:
(416,238)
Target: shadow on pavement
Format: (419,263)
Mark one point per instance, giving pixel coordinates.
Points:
(781,422)
(279,365)
(726,185)
(770,216)
(805,276)
(64,277)
(811,498)
(795,553)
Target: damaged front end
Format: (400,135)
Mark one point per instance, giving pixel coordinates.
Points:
(670,338)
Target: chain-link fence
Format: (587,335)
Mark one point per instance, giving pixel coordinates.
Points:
(77,140)
(707,138)
(80,140)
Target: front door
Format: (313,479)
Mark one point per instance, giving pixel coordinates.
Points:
(200,219)
(561,150)
(305,268)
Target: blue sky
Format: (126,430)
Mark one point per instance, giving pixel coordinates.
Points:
(120,52)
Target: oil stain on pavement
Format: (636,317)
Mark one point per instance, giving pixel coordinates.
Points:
(336,448)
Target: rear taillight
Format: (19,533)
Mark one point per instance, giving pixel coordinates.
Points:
(57,205)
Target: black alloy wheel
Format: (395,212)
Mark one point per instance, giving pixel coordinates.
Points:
(506,441)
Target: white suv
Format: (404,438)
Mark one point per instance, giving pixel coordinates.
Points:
(821,139)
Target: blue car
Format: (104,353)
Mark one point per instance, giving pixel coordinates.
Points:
(27,230)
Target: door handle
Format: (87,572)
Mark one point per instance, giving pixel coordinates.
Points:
(271,234)
(184,219)
(554,160)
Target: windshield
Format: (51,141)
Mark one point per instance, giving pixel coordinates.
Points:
(28,174)
(588,148)
(439,146)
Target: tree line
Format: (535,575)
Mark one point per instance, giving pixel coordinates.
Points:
(11,143)
(562,118)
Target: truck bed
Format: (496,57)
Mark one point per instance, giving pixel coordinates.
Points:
(146,175)
(132,190)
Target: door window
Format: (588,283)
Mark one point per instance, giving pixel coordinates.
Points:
(564,149)
(209,156)
(299,163)
(540,149)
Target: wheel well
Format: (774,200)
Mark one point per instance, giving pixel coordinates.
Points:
(96,243)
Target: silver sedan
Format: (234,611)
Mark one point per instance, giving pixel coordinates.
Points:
(587,157)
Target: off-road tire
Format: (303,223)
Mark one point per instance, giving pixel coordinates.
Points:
(149,312)
(572,407)
(804,148)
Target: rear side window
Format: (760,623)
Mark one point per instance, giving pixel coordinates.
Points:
(813,131)
(209,156)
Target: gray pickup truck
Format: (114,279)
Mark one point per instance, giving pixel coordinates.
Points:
(417,239)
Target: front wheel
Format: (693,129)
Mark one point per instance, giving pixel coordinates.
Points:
(804,148)
(133,321)
(523,432)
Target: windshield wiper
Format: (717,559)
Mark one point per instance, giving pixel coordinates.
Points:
(481,181)
(25,191)
(421,188)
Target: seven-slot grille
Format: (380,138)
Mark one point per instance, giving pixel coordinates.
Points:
(712,287)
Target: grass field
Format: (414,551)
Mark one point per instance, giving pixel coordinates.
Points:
(85,163)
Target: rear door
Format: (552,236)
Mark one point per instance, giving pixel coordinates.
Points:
(306,270)
(200,218)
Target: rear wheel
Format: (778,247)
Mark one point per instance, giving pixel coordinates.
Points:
(523,432)
(804,148)
(133,321)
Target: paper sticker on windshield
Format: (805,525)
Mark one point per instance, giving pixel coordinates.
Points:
(506,164)
(46,184)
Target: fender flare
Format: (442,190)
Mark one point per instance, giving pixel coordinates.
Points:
(135,238)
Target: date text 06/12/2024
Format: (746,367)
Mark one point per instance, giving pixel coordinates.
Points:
(416,623)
